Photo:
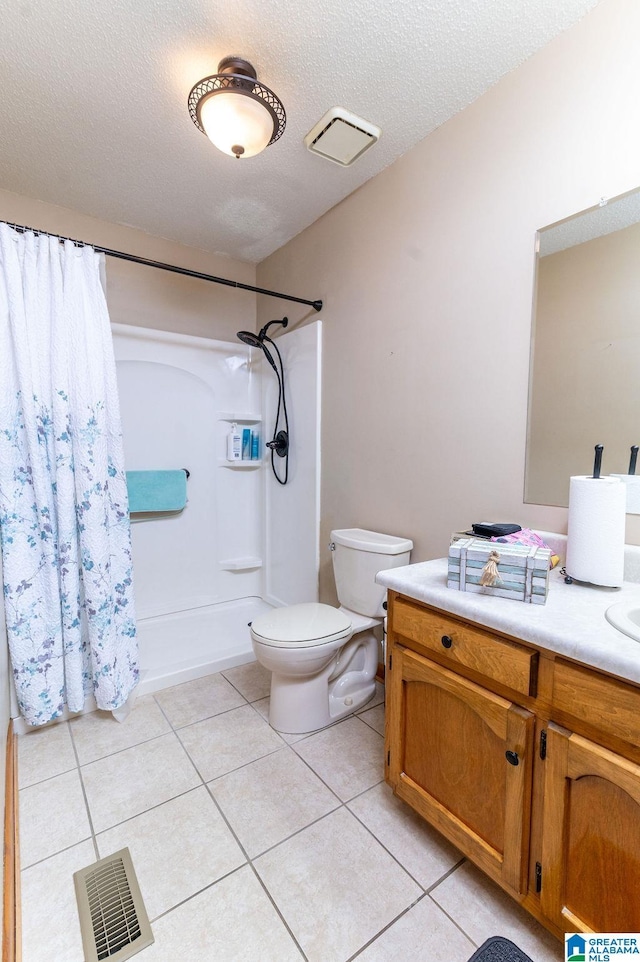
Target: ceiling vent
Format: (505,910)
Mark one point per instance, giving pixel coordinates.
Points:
(341,136)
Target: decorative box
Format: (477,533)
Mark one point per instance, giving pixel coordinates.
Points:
(494,568)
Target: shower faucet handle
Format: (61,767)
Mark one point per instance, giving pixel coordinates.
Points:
(280,444)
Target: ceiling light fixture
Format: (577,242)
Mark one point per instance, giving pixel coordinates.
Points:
(239,115)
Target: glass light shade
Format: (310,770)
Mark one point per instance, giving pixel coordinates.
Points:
(233,119)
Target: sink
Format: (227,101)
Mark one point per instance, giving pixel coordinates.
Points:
(625,616)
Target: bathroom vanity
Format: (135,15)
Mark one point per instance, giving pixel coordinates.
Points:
(514,730)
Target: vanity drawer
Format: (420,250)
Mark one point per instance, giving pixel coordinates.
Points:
(604,703)
(462,645)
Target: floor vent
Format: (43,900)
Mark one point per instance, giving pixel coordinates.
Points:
(113,919)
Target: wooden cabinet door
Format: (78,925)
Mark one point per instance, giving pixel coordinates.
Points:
(462,757)
(591,837)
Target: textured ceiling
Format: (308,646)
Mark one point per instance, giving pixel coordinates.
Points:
(94,116)
(611,216)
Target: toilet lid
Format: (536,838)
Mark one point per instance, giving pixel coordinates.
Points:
(301,625)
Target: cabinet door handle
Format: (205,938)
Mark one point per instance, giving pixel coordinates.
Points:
(446,641)
(512,758)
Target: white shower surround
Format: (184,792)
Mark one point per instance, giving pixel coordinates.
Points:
(178,394)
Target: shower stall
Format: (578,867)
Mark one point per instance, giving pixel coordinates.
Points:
(243,543)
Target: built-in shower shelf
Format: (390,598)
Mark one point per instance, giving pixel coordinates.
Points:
(242,417)
(240,464)
(241,564)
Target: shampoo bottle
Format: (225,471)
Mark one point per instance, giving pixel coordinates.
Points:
(246,444)
(234,444)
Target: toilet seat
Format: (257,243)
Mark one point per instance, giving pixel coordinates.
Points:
(301,626)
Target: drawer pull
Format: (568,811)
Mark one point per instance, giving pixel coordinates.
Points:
(447,641)
(512,758)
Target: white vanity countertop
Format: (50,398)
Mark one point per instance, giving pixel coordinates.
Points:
(571,623)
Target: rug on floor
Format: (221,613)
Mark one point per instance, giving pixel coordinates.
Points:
(497,949)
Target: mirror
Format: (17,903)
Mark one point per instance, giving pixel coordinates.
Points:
(584,384)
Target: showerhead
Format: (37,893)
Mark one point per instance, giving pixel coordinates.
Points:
(253,340)
(257,340)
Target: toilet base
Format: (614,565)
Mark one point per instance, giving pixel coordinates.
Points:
(341,688)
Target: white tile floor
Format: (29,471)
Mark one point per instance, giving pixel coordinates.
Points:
(248,846)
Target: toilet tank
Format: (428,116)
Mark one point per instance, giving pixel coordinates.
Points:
(358,556)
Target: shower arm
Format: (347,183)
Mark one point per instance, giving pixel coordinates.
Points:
(262,336)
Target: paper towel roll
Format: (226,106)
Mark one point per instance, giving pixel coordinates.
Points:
(595,535)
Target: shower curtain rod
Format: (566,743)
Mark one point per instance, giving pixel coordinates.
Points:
(316,305)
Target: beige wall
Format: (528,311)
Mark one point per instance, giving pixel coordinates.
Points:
(586,383)
(427,277)
(145,296)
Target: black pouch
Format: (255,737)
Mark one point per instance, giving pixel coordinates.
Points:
(486,529)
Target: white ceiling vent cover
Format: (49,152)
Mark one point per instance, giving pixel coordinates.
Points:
(341,136)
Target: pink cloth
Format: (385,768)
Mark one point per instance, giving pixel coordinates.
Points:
(525,536)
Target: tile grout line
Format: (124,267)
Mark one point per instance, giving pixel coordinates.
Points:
(145,741)
(389,853)
(314,772)
(67,848)
(341,804)
(289,744)
(205,782)
(280,915)
(151,808)
(426,892)
(345,804)
(84,794)
(372,727)
(450,917)
(210,782)
(309,766)
(25,788)
(393,921)
(204,888)
(222,774)
(446,875)
(248,861)
(259,698)
(199,721)
(298,831)
(120,751)
(172,728)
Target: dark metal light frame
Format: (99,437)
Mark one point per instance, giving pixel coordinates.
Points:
(238,76)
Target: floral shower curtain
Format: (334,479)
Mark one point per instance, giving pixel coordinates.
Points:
(64,521)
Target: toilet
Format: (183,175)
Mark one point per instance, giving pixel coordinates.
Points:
(323,659)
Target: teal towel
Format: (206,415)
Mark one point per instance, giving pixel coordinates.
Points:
(156,490)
